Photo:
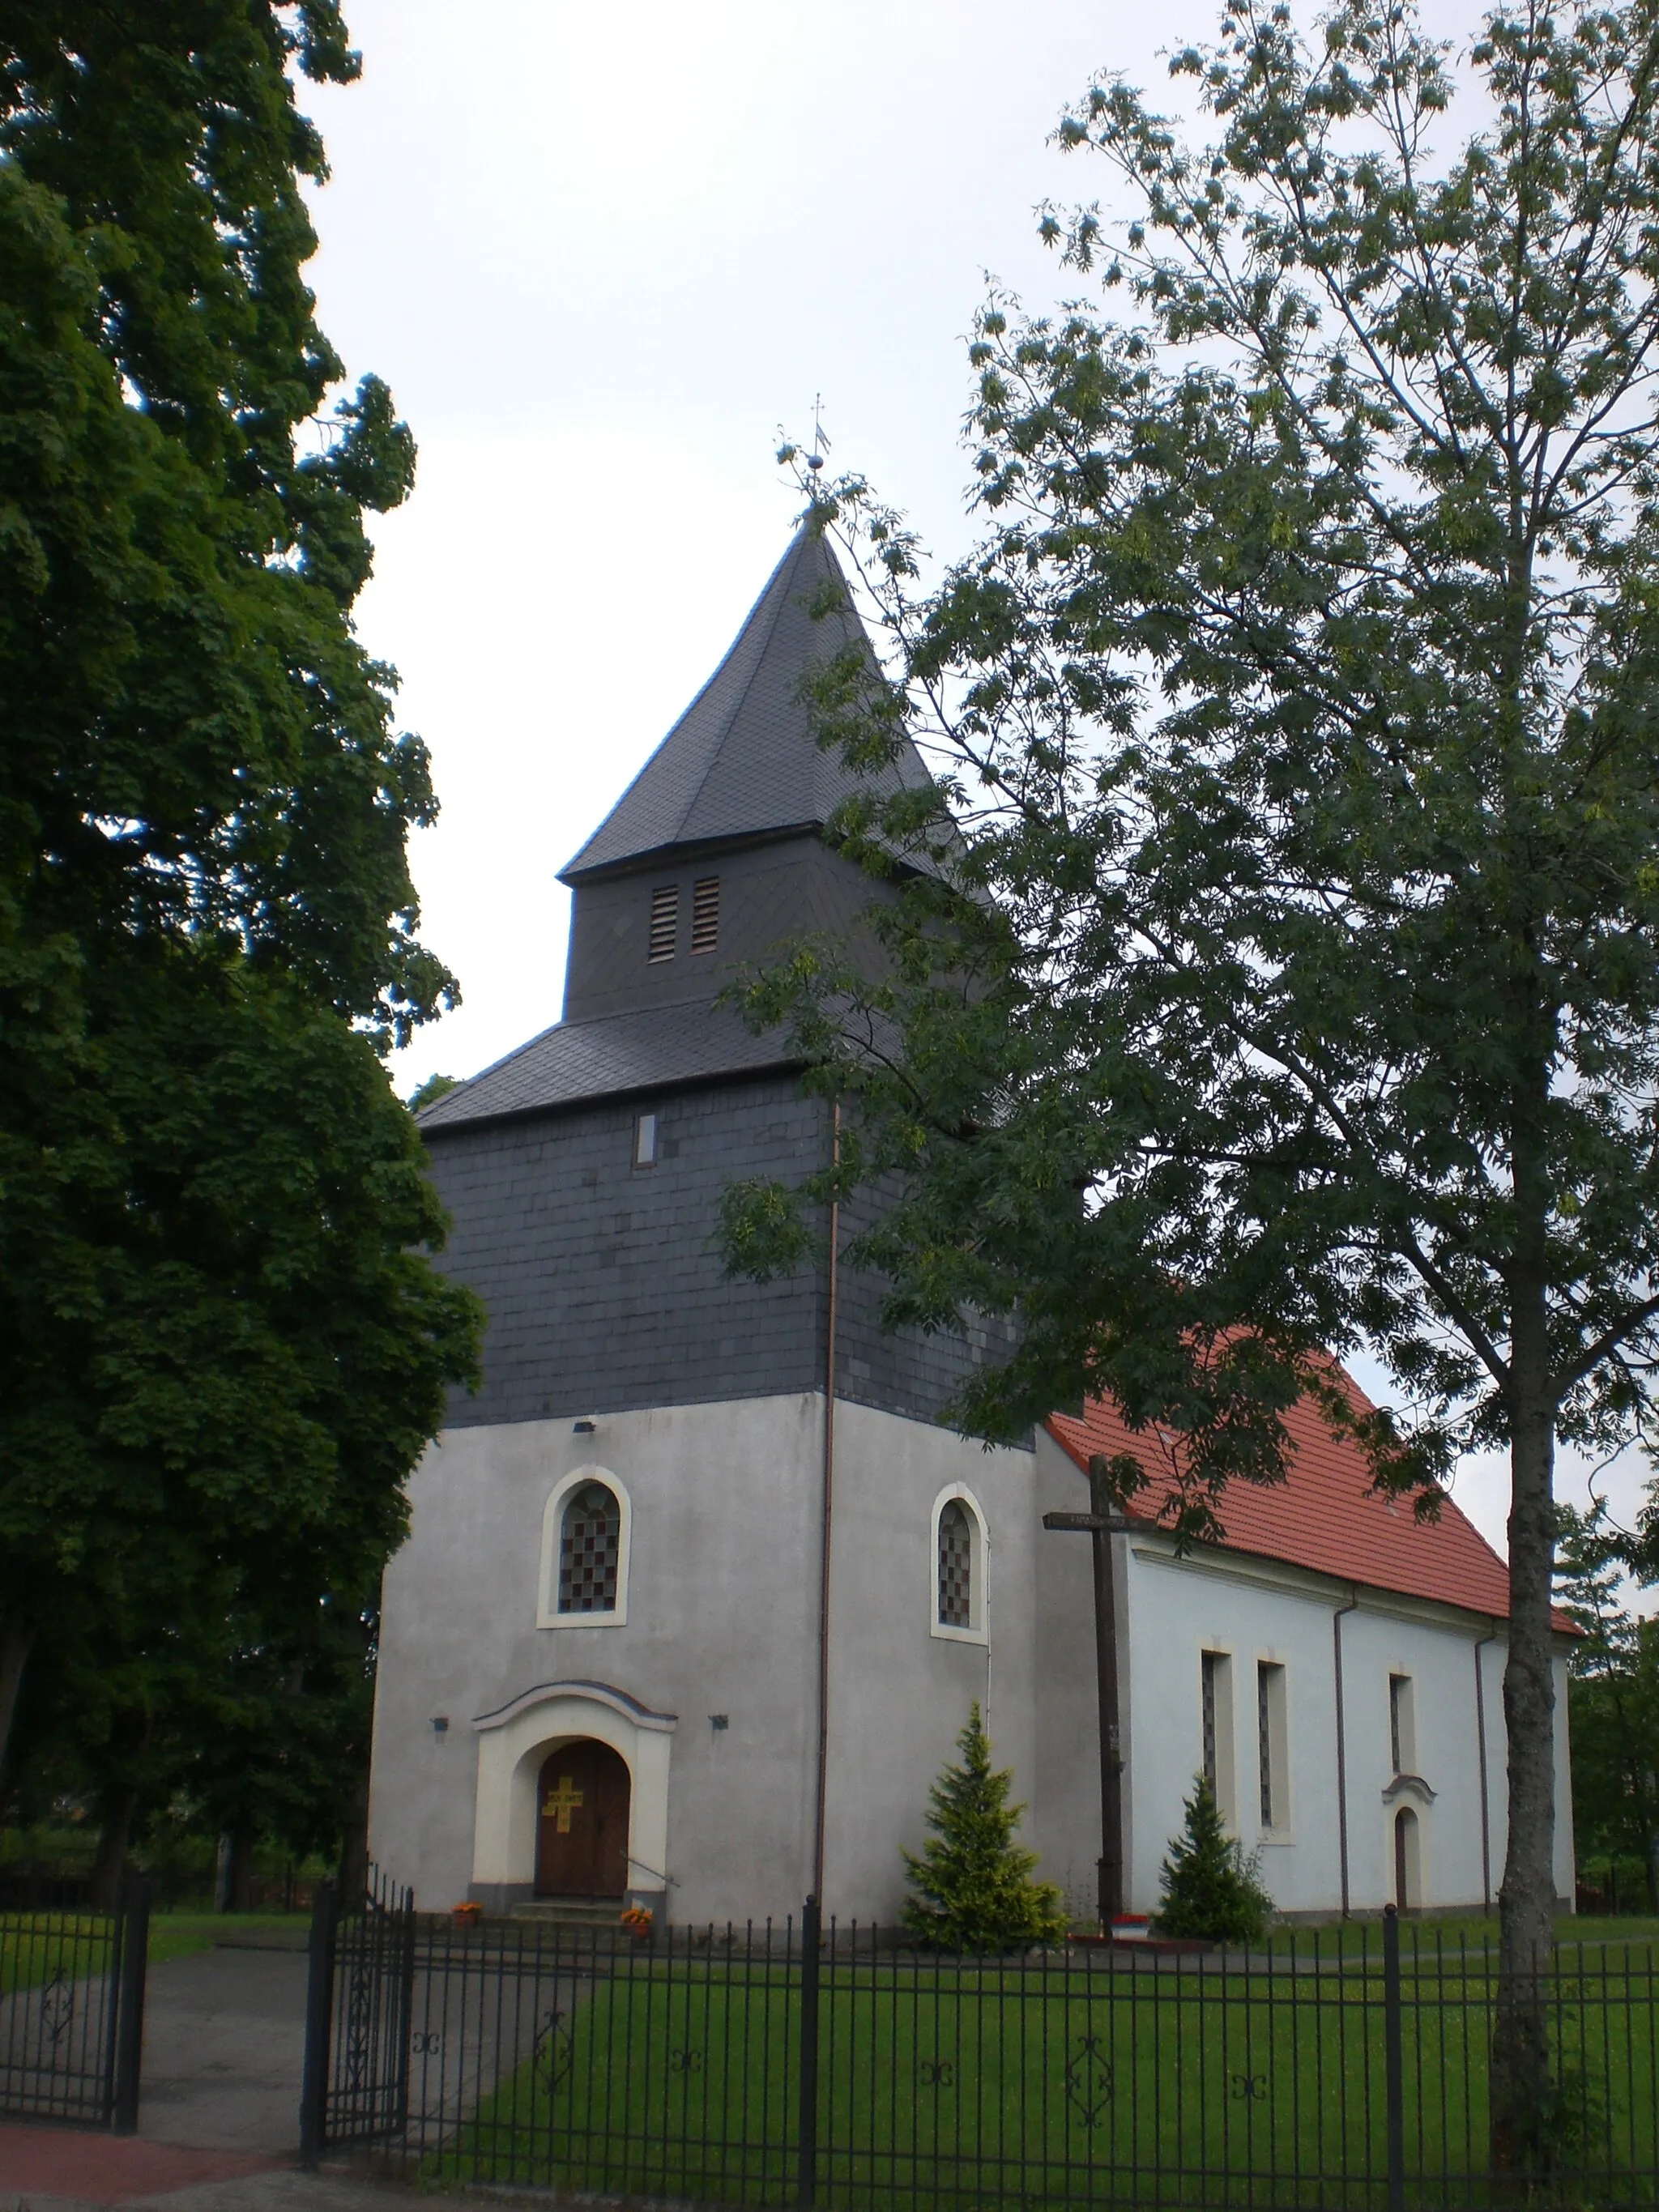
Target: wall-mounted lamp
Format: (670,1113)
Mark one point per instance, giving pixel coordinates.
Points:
(585,1426)
(718,1720)
(440,1724)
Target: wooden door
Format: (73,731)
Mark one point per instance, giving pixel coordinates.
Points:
(581,1823)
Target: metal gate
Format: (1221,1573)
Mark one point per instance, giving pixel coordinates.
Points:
(356,2089)
(72,2013)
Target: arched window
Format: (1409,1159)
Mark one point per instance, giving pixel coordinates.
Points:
(956,1567)
(590,1550)
(959,1563)
(584,1539)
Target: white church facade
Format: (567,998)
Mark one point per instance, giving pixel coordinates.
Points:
(677,1625)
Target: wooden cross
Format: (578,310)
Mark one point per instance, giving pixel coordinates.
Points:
(561,1803)
(1100,1524)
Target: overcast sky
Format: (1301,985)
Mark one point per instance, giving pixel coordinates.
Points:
(600,255)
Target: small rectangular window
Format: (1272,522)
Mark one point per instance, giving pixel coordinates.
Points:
(644,1140)
(1270,1742)
(665,921)
(1216,1724)
(1402,1724)
(705,913)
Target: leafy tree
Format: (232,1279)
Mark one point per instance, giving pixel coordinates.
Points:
(431,1090)
(222,1342)
(223,1445)
(275,1747)
(247,1715)
(1614,1702)
(1211,1890)
(971,1886)
(1301,904)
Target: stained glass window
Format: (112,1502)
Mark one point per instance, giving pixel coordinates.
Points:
(955,1568)
(590,1545)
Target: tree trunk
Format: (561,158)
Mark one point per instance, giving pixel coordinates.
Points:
(239,1887)
(16,1641)
(110,1862)
(354,1849)
(1519,2054)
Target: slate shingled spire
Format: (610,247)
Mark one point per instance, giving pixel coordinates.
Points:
(734,802)
(742,760)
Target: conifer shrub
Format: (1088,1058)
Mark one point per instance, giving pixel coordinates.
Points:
(971,1887)
(1211,1890)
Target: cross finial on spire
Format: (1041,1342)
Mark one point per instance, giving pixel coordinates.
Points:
(820,435)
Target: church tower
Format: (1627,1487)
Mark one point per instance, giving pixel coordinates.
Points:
(583,1172)
(618,1540)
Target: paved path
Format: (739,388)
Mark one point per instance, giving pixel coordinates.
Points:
(219,2116)
(284,2190)
(224,2044)
(41,2165)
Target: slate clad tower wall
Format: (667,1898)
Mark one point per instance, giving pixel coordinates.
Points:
(768,892)
(602,1286)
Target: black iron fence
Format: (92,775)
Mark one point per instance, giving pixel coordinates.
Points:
(33,1885)
(34,1889)
(1340,2068)
(1614,1887)
(359,2046)
(71,2014)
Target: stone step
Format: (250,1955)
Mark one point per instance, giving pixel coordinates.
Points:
(571,1911)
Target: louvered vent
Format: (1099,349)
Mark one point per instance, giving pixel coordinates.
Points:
(705,913)
(665,921)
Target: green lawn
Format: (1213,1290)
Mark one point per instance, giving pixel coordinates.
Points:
(179,1934)
(34,1947)
(1473,1932)
(1133,2089)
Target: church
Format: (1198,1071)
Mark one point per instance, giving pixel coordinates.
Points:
(699,1587)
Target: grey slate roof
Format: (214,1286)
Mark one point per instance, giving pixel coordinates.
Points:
(649,1049)
(742,760)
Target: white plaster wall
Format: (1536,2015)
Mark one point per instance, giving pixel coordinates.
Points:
(719,1621)
(1179,1608)
(1440,1661)
(898,1694)
(722,1619)
(722,1615)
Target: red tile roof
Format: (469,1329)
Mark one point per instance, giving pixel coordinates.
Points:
(1324,1516)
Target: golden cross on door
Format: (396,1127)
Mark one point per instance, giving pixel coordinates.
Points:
(561,1803)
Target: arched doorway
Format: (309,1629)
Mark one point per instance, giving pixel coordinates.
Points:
(581,1826)
(1407,1861)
